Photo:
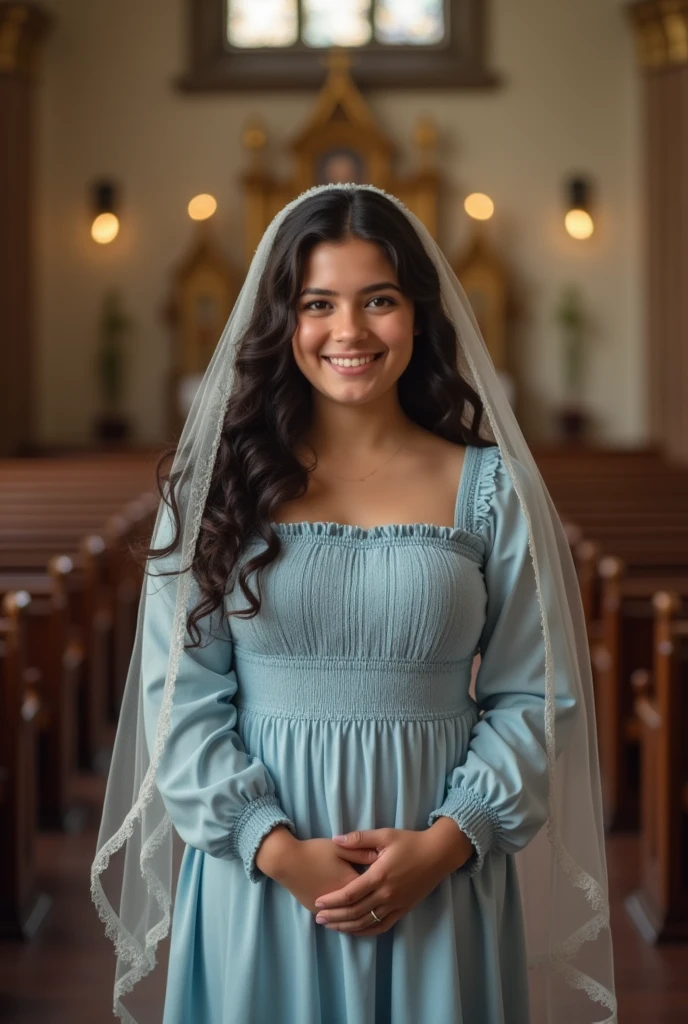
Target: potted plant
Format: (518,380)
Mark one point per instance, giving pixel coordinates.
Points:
(111,424)
(570,315)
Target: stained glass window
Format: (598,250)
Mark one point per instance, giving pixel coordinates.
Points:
(415,22)
(255,23)
(252,24)
(336,22)
(276,44)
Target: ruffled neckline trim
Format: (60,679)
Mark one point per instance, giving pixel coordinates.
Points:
(387,531)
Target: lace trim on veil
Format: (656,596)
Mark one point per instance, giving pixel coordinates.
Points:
(143,960)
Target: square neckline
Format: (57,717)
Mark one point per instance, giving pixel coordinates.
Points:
(330,527)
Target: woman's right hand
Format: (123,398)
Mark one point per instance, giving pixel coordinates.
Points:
(310,867)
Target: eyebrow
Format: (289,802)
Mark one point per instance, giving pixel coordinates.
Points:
(362,291)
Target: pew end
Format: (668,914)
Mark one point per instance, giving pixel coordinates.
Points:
(659,906)
(587,556)
(23,908)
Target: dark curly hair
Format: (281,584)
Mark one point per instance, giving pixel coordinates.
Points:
(269,410)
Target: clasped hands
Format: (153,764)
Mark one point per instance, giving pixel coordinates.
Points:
(403,867)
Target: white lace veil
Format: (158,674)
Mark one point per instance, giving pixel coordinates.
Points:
(562,871)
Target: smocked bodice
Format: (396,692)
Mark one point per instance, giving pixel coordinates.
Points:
(385,599)
(408,593)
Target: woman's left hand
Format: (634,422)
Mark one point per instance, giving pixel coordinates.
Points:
(409,865)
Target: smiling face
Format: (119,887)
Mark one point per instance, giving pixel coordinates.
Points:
(351,305)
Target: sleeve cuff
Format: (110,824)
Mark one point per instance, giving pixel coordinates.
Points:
(476,818)
(255,821)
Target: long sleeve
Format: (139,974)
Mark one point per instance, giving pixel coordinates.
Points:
(219,798)
(499,795)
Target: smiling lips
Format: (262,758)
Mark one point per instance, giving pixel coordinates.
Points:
(352,370)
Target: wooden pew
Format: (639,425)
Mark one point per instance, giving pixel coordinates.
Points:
(586,555)
(97,627)
(126,575)
(637,510)
(659,907)
(57,665)
(22,907)
(625,645)
(72,648)
(656,556)
(104,591)
(83,608)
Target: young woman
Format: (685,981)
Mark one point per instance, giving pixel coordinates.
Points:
(343,531)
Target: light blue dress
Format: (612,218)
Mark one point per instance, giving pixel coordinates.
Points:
(345,705)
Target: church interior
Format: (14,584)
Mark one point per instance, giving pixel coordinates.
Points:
(545,147)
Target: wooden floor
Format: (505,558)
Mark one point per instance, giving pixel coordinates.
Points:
(65,975)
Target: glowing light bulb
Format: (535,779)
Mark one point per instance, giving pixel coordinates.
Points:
(579,224)
(202,206)
(104,228)
(479,206)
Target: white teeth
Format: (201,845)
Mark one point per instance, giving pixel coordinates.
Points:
(350,362)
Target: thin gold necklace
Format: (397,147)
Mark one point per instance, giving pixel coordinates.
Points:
(358,479)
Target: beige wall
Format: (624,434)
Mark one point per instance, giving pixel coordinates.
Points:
(107,106)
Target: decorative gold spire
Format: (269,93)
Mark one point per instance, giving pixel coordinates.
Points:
(337,60)
(661,31)
(340,100)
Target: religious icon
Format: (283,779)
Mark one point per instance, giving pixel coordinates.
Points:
(339,165)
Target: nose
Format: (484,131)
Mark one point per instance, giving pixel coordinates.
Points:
(349,325)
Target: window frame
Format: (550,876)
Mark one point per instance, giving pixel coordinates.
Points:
(215,66)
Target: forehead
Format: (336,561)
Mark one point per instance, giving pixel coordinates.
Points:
(349,263)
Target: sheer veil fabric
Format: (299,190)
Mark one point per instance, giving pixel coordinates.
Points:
(562,871)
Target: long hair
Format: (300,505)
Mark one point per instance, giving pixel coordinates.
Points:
(270,407)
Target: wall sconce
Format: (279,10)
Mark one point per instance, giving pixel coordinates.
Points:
(578,219)
(478,206)
(105,226)
(202,207)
